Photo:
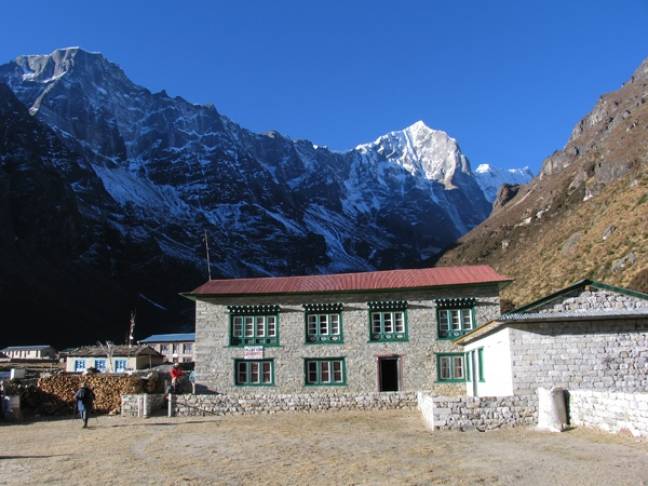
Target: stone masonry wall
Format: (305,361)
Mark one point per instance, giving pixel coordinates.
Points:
(141,404)
(215,358)
(481,413)
(248,404)
(593,299)
(596,355)
(610,411)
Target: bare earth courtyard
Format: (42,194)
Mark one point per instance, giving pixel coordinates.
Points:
(377,447)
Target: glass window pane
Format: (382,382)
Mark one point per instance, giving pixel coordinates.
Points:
(312,325)
(335,324)
(387,316)
(254,372)
(399,322)
(456,323)
(323,318)
(444,365)
(324,372)
(242,375)
(272,325)
(337,371)
(443,319)
(267,372)
(375,322)
(238,327)
(458,367)
(312,372)
(467,318)
(260,326)
(249,326)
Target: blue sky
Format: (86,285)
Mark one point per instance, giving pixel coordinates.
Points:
(508,79)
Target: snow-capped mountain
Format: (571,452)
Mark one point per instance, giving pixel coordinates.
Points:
(490,178)
(149,173)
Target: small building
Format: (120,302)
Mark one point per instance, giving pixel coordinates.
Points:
(39,352)
(124,358)
(355,332)
(176,348)
(589,336)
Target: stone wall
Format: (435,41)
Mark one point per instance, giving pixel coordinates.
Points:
(609,355)
(246,404)
(610,411)
(480,413)
(592,299)
(215,358)
(141,405)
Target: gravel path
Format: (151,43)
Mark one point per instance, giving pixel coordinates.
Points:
(387,447)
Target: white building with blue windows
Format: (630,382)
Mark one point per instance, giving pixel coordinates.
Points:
(176,347)
(123,359)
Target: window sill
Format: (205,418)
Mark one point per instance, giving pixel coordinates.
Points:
(253,385)
(311,385)
(311,343)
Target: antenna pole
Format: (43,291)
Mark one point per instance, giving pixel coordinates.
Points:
(207,253)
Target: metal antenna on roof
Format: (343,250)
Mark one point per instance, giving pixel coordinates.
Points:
(131,330)
(207,253)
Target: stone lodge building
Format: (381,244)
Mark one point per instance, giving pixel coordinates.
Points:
(589,336)
(356,332)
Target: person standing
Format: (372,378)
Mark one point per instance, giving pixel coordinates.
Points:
(84,399)
(176,375)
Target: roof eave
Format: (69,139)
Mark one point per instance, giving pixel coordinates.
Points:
(201,296)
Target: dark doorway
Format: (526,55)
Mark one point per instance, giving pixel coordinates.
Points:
(388,374)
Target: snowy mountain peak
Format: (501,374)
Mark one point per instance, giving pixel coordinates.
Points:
(423,152)
(45,68)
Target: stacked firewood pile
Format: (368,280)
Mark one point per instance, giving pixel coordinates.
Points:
(54,395)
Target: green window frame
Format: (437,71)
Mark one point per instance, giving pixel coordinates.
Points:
(455,317)
(451,367)
(324,372)
(323,323)
(254,372)
(388,321)
(254,325)
(470,372)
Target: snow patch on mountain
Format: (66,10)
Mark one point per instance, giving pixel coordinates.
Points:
(490,178)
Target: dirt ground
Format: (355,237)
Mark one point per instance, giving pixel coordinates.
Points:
(388,447)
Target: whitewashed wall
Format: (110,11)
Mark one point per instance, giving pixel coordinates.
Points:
(498,378)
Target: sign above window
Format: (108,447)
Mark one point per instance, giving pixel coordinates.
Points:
(253,352)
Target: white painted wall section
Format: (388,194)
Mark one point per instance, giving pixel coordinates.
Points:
(497,365)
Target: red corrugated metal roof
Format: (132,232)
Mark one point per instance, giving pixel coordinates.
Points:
(383,280)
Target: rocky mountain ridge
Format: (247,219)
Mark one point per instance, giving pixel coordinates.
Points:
(584,215)
(149,173)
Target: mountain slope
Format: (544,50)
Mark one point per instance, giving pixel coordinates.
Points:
(585,215)
(143,175)
(271,205)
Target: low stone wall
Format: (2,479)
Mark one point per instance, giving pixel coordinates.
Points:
(482,413)
(141,404)
(610,411)
(231,404)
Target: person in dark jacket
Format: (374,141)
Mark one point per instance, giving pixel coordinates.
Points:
(84,399)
